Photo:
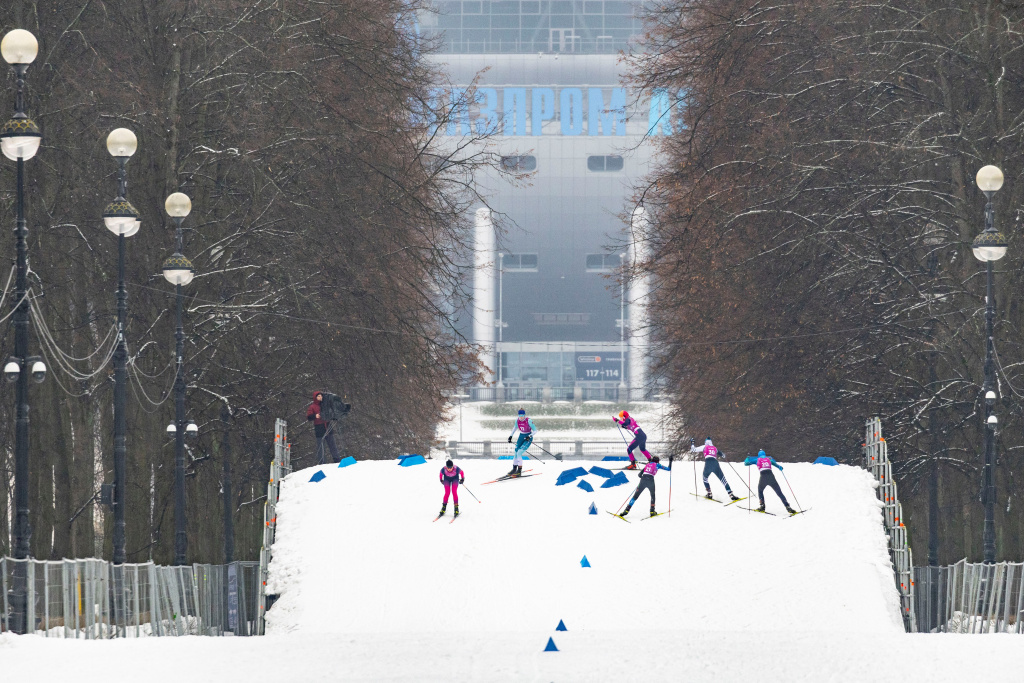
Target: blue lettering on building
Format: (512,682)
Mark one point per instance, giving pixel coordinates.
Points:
(484,115)
(515,111)
(543,109)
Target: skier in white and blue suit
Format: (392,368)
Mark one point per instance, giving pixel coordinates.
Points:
(526,430)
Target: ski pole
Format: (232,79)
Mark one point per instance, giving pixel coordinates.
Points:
(749,502)
(791,489)
(627,498)
(535,456)
(738,476)
(694,458)
(470,492)
(670,484)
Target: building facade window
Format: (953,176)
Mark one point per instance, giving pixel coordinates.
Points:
(603,263)
(607,162)
(519,164)
(523,263)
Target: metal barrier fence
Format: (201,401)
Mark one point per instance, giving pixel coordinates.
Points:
(95,599)
(279,467)
(970,598)
(876,461)
(561,450)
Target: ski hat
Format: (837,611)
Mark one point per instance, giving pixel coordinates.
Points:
(522,412)
(707,441)
(655,459)
(761,453)
(623,415)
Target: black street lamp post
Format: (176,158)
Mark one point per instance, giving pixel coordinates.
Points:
(989,247)
(122,219)
(178,271)
(19,140)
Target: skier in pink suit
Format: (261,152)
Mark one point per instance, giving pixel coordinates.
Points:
(647,482)
(451,476)
(639,437)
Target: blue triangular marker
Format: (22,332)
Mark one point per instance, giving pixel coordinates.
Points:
(551,646)
(593,509)
(345,462)
(319,476)
(584,562)
(561,626)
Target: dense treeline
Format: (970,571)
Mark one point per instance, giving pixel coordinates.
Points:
(812,229)
(323,228)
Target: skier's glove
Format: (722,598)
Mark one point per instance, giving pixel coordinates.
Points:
(462,481)
(510,438)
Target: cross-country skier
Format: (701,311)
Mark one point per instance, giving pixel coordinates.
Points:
(527,430)
(764,464)
(639,437)
(711,466)
(647,482)
(451,476)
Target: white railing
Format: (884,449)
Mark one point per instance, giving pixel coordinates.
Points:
(95,599)
(279,467)
(970,598)
(558,449)
(876,461)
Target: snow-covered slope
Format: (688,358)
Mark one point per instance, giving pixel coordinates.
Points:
(372,590)
(358,552)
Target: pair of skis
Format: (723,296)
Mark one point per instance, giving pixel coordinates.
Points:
(509,476)
(715,500)
(454,517)
(765,512)
(642,519)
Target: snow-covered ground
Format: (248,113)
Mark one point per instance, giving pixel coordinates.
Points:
(373,590)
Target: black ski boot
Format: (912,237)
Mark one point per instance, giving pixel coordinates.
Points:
(760,508)
(708,495)
(624,512)
(443,506)
(511,472)
(654,513)
(790,510)
(456,509)
(733,496)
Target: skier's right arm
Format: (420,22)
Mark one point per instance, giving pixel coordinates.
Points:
(750,460)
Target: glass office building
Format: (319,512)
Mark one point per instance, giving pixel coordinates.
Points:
(547,308)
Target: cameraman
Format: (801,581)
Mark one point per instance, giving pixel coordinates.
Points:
(323,429)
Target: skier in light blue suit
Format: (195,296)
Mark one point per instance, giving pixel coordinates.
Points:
(526,429)
(764,464)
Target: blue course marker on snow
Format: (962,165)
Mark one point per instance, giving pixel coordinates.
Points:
(550,647)
(410,460)
(825,460)
(570,475)
(601,472)
(592,510)
(561,626)
(345,462)
(318,476)
(618,480)
(584,562)
(585,485)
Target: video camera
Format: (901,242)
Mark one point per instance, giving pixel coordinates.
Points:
(333,408)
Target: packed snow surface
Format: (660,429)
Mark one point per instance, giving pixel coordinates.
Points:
(371,589)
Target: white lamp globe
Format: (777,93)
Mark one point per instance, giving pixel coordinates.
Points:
(178,205)
(989,178)
(122,143)
(19,47)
